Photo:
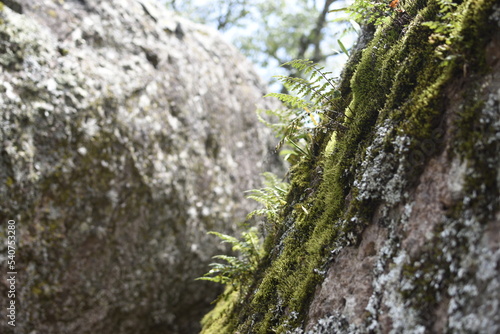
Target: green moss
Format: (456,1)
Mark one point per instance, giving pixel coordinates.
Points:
(216,321)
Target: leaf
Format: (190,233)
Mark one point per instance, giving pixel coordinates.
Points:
(312,97)
(338,10)
(236,270)
(342,47)
(356,26)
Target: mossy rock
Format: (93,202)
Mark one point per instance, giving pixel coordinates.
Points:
(418,168)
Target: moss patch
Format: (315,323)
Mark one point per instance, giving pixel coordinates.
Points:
(216,321)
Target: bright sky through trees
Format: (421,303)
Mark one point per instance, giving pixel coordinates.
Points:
(273,32)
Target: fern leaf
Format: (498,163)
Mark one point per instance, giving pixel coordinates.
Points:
(225,238)
(290,100)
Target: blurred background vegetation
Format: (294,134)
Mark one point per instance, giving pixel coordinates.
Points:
(271,33)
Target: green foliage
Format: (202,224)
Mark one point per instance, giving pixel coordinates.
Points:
(371,11)
(343,48)
(313,92)
(442,37)
(215,322)
(312,104)
(395,80)
(236,270)
(291,130)
(272,197)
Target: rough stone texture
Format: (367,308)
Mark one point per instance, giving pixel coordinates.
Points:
(126,134)
(393,224)
(427,269)
(347,285)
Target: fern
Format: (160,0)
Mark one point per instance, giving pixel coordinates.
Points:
(272,197)
(371,11)
(312,93)
(236,270)
(292,131)
(314,98)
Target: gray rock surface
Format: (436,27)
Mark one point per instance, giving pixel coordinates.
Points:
(126,134)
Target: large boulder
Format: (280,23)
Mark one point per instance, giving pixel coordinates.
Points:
(126,134)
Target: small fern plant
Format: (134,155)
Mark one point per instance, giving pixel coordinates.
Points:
(272,197)
(292,131)
(236,270)
(312,103)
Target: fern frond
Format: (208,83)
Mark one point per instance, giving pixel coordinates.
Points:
(215,279)
(225,238)
(231,262)
(236,270)
(292,101)
(299,64)
(272,197)
(314,97)
(305,66)
(283,117)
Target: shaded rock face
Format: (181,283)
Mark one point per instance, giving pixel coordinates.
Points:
(126,134)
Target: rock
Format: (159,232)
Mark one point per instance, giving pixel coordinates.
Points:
(126,134)
(399,232)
